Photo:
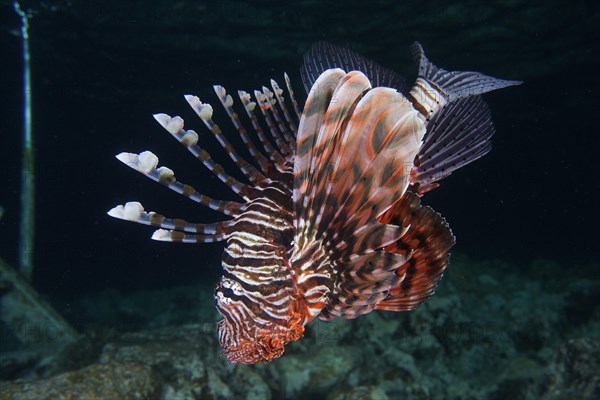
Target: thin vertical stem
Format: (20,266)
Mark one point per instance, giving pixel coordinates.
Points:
(26,234)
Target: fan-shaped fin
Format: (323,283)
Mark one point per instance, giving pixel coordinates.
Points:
(456,84)
(339,193)
(373,162)
(363,282)
(310,125)
(323,56)
(426,244)
(361,153)
(345,98)
(457,135)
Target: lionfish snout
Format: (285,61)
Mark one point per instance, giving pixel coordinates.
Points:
(248,350)
(250,332)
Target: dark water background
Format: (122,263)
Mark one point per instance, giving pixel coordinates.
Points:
(101,69)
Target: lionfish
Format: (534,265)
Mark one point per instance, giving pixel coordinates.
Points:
(330,222)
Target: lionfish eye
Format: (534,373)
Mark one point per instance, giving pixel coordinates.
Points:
(227,292)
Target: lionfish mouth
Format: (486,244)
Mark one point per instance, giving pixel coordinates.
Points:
(265,346)
(252,352)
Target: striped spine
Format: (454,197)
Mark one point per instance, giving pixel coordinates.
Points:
(260,296)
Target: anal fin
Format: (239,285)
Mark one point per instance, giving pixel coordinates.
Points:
(363,283)
(427,243)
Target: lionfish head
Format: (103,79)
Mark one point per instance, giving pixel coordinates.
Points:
(245,333)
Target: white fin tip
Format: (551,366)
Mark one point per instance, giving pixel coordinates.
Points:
(204,111)
(190,138)
(131,211)
(259,96)
(244,96)
(220,90)
(144,162)
(165,173)
(162,235)
(192,100)
(172,125)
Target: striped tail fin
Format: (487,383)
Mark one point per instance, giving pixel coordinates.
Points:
(435,87)
(459,125)
(457,135)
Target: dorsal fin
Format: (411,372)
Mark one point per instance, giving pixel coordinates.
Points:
(323,56)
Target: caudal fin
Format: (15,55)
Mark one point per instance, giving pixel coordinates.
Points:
(459,124)
(456,84)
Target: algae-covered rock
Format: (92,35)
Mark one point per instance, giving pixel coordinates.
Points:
(575,371)
(112,380)
(473,339)
(359,393)
(317,372)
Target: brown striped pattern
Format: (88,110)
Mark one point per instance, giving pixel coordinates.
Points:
(259,296)
(362,145)
(427,97)
(426,245)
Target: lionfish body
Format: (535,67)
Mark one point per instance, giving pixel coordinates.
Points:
(331,223)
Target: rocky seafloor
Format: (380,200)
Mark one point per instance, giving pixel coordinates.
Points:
(489,332)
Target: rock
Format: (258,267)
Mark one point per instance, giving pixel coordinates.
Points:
(251,383)
(101,381)
(473,339)
(359,393)
(575,372)
(316,372)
